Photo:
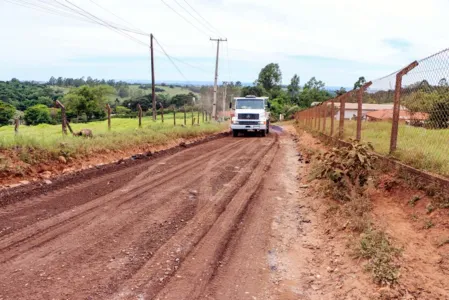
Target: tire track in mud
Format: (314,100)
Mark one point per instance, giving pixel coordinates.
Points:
(100,249)
(148,282)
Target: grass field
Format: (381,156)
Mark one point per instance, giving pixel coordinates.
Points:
(426,149)
(45,142)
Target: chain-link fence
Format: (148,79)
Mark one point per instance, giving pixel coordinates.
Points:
(404,114)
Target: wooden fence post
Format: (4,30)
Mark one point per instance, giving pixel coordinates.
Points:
(162,113)
(203,115)
(341,126)
(198,120)
(193,118)
(185,116)
(174,116)
(140,114)
(397,105)
(108,109)
(63,117)
(360,92)
(332,117)
(16,127)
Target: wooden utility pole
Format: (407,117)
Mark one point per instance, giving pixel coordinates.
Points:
(214,105)
(153,88)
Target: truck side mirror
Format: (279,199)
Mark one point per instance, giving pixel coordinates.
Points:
(268,104)
(230,105)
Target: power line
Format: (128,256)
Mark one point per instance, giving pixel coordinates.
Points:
(204,18)
(171,60)
(102,7)
(185,19)
(102,22)
(196,19)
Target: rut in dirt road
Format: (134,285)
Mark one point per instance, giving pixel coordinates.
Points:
(134,241)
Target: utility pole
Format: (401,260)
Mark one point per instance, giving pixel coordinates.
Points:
(152,79)
(214,105)
(225,84)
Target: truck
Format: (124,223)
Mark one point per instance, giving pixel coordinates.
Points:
(250,114)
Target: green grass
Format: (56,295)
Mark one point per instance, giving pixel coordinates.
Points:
(425,149)
(46,142)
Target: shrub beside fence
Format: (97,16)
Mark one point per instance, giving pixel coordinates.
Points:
(404,114)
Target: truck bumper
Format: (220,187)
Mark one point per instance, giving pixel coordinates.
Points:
(248,127)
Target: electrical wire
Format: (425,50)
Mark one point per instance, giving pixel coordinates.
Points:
(195,18)
(185,19)
(222,35)
(171,60)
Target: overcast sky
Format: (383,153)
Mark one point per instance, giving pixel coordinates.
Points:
(336,41)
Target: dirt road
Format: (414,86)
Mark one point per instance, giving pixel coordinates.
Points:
(157,231)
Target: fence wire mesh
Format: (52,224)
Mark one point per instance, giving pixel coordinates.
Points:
(405,114)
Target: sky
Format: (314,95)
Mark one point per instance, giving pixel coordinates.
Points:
(335,41)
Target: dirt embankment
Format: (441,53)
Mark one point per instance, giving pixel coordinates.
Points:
(15,172)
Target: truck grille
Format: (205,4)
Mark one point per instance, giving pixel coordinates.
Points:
(249,122)
(248,116)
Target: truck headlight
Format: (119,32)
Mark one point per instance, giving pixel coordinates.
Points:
(234,120)
(262,122)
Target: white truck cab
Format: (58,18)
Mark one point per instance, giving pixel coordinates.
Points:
(250,114)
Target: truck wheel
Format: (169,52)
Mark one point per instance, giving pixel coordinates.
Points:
(263,133)
(268,127)
(235,133)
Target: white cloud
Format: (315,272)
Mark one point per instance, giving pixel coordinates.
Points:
(37,44)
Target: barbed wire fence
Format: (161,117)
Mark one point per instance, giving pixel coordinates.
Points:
(404,114)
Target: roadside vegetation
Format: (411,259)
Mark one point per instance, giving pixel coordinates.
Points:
(346,174)
(419,147)
(45,143)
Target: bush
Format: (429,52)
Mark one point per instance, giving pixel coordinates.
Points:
(37,114)
(7,112)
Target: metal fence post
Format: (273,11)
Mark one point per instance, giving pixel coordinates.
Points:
(359,109)
(324,116)
(397,105)
(341,126)
(317,115)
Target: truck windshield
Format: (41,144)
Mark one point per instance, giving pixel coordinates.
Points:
(249,104)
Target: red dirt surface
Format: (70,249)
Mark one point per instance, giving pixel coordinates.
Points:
(230,219)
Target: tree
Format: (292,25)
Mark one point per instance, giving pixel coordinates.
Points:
(293,88)
(7,112)
(270,77)
(123,92)
(52,81)
(121,110)
(88,100)
(443,82)
(439,115)
(313,91)
(238,84)
(340,92)
(314,84)
(252,90)
(37,114)
(359,83)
